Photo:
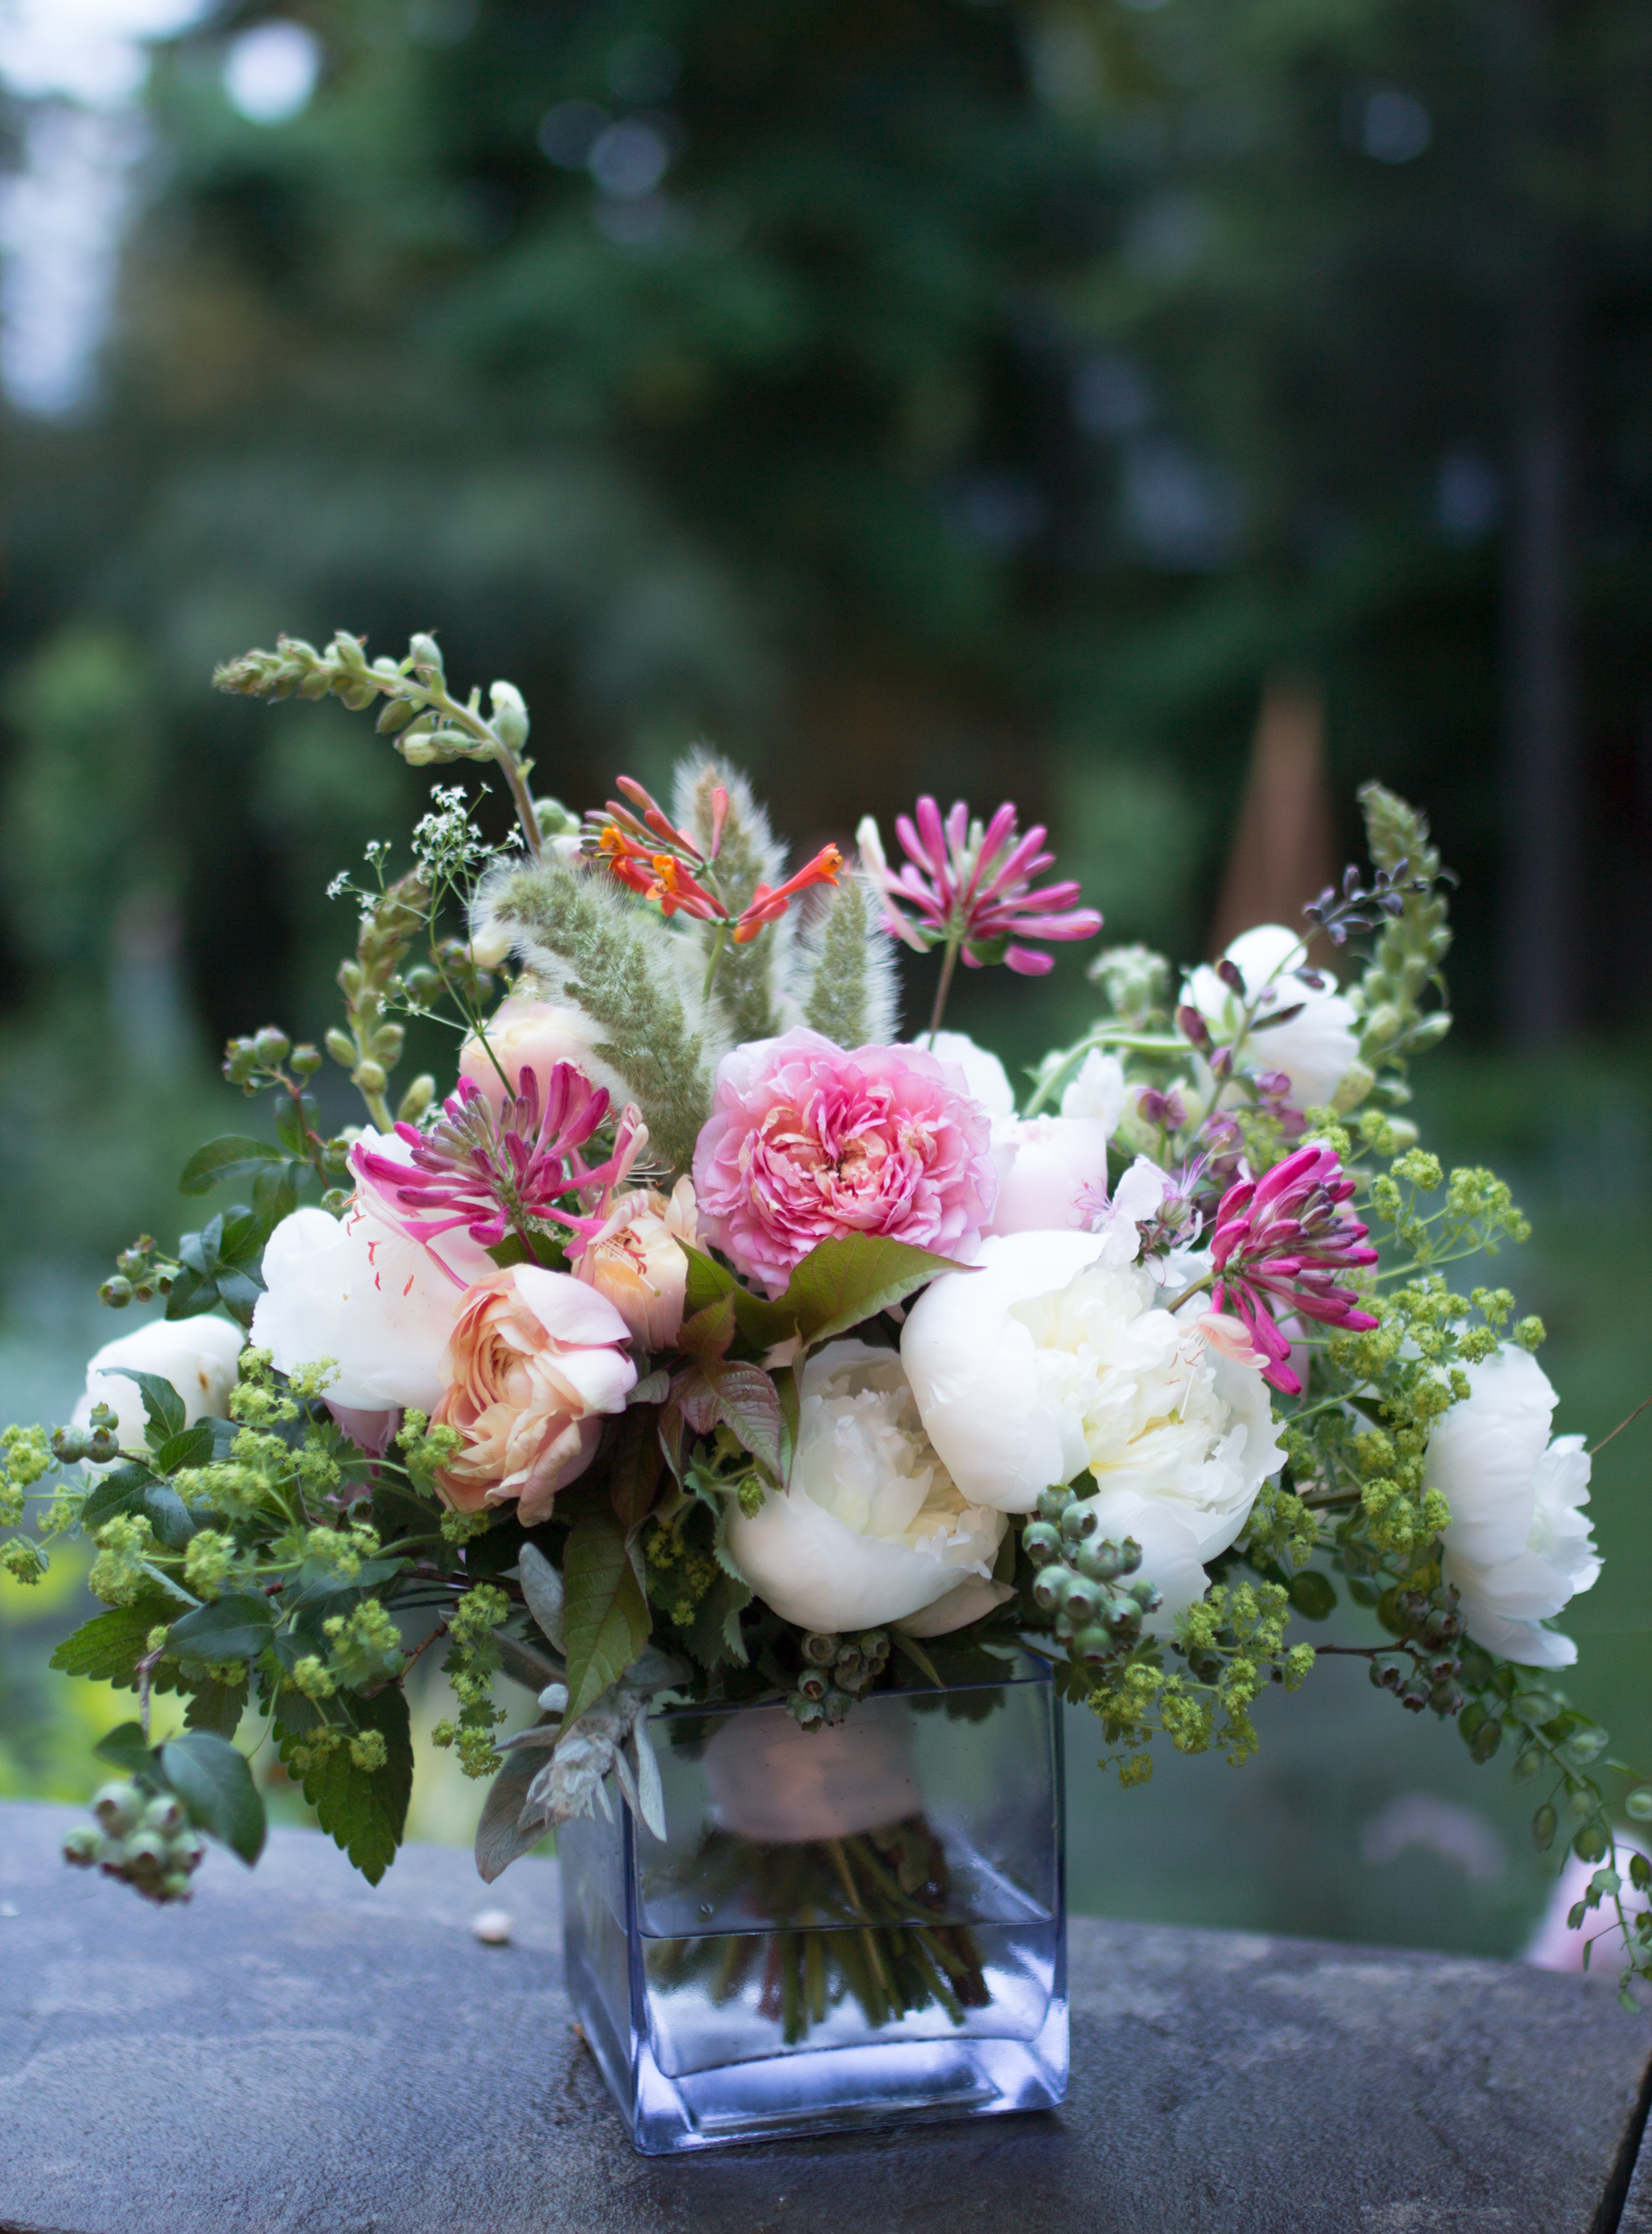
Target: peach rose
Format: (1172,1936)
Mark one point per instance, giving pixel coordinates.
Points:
(637,1261)
(537,1358)
(525,1033)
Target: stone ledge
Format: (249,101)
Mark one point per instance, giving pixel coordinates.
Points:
(298,2053)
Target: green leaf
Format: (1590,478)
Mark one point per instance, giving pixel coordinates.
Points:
(501,1835)
(235,1627)
(708,1332)
(714,1637)
(126,1748)
(909,1648)
(605,1616)
(786,1389)
(192,1295)
(634,1462)
(1313,1595)
(750,1403)
(190,1446)
(275,1192)
(163,1406)
(216,1705)
(119,1492)
(761,1323)
(846,1280)
(513,1250)
(109,1646)
(363,1810)
(215,1785)
(231,1157)
(290,1128)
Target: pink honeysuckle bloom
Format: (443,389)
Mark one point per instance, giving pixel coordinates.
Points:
(484,1168)
(807,1142)
(1281,1242)
(973,888)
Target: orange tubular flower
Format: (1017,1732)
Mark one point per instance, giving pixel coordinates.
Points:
(769,907)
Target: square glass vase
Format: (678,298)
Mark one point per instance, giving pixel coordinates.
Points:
(847,1927)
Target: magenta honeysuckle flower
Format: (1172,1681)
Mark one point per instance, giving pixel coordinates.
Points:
(970,890)
(489,1169)
(1281,1242)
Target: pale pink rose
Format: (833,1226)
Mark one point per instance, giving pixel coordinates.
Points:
(637,1260)
(525,1033)
(806,1142)
(1050,1171)
(536,1359)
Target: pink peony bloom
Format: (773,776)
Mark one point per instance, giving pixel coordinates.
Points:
(805,1142)
(537,1359)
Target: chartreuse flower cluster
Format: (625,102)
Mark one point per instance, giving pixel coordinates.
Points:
(712,1342)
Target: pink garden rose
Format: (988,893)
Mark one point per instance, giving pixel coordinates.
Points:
(805,1142)
(537,1358)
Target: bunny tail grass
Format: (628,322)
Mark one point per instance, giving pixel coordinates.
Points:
(749,989)
(586,943)
(849,990)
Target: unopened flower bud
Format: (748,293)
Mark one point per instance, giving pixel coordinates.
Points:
(370,1077)
(388,1043)
(418,751)
(426,652)
(554,820)
(397,715)
(341,1047)
(417,1100)
(510,716)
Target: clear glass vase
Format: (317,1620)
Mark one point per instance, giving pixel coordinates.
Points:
(845,1927)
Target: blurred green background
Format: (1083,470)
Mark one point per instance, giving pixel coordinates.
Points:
(922,394)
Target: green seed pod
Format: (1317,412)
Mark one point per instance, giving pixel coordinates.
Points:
(1545,1823)
(117,1806)
(1042,1542)
(1591,1844)
(1638,1804)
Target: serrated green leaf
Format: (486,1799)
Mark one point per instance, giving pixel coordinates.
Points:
(275,1192)
(852,1277)
(125,1747)
(134,1489)
(362,1810)
(633,1463)
(231,1157)
(118,1493)
(109,1646)
(163,1406)
(216,1705)
(193,1294)
(714,1637)
(605,1616)
(235,1627)
(215,1785)
(241,1244)
(190,1446)
(750,1405)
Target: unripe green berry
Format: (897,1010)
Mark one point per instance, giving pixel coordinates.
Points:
(306,1059)
(272,1046)
(117,1806)
(116,1293)
(1042,1542)
(165,1814)
(81,1845)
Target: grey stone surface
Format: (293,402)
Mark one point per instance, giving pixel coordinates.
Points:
(298,2051)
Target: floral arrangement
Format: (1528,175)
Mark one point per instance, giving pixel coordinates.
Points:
(709,1341)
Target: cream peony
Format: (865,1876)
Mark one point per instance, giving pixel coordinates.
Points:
(1052,1171)
(358,1291)
(1517,1546)
(872,1528)
(197,1356)
(637,1260)
(537,1359)
(526,1034)
(1314,1049)
(1050,1361)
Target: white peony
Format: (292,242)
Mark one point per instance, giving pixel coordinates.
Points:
(196,1356)
(872,1529)
(1314,1050)
(1517,1546)
(1050,1362)
(1052,1171)
(358,1291)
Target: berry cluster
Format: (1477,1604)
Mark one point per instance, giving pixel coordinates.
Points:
(1083,1584)
(836,1672)
(146,1841)
(1433,1633)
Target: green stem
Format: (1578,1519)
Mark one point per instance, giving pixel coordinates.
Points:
(944,988)
(510,762)
(720,940)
